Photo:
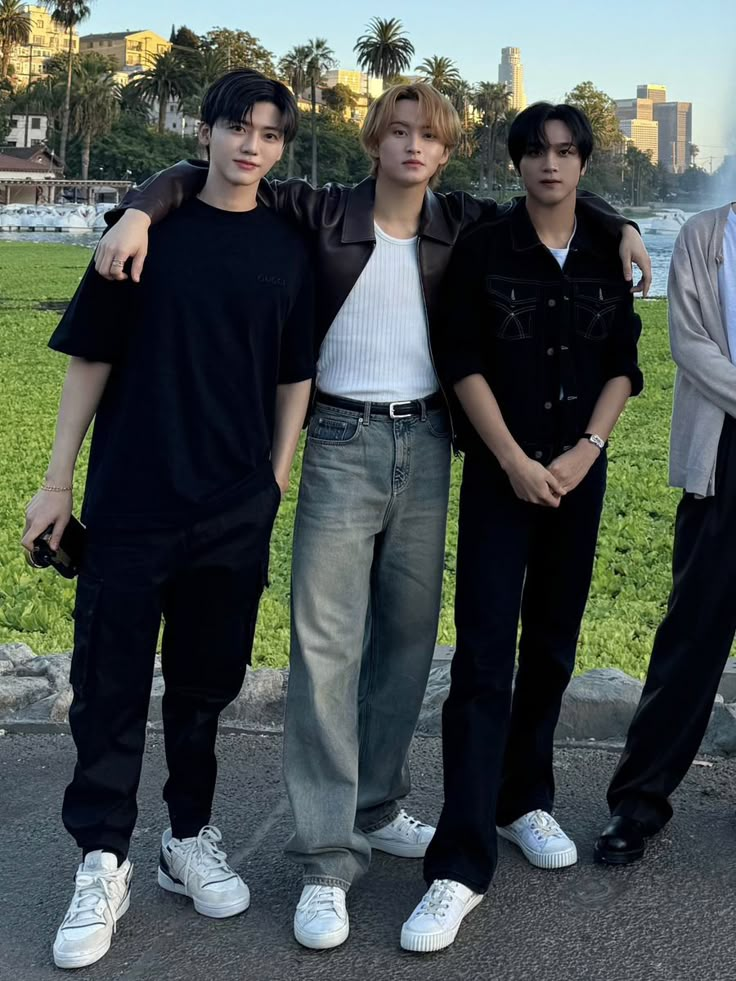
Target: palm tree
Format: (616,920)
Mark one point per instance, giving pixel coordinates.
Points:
(384,50)
(293,67)
(491,100)
(170,78)
(95,105)
(67,14)
(440,72)
(321,59)
(461,95)
(15,27)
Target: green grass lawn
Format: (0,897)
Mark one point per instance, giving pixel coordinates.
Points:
(632,572)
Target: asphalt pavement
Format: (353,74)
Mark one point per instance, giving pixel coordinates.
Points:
(668,918)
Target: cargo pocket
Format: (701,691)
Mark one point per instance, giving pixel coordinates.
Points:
(85,608)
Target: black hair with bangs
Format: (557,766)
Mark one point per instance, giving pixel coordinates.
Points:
(527,130)
(234,94)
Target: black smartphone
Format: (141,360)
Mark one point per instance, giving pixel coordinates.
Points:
(67,558)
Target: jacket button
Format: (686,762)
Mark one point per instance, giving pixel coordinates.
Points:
(550,351)
(548,405)
(537,454)
(551,303)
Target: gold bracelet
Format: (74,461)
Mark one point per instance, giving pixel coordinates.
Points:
(55,489)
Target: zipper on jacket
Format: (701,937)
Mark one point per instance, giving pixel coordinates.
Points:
(453,434)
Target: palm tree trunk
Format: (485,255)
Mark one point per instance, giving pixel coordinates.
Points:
(67,100)
(6,58)
(314,132)
(292,160)
(86,147)
(161,113)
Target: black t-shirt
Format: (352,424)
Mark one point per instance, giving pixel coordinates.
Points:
(223,313)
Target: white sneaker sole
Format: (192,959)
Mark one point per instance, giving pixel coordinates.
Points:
(399,849)
(427,943)
(542,860)
(87,957)
(323,941)
(217,912)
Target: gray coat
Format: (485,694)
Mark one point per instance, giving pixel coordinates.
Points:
(705,385)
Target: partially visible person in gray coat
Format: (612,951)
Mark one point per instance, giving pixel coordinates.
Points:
(695,637)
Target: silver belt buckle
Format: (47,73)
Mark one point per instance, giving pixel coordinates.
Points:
(393,414)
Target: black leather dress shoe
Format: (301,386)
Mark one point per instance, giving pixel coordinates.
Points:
(621,842)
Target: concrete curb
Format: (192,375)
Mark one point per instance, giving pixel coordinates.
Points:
(35,696)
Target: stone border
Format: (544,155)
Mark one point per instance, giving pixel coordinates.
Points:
(35,695)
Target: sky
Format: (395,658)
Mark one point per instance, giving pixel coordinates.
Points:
(686,45)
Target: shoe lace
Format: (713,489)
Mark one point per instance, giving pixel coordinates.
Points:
(205,857)
(92,895)
(323,900)
(437,900)
(544,826)
(407,824)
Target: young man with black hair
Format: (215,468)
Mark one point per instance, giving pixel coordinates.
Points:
(198,381)
(369,535)
(542,353)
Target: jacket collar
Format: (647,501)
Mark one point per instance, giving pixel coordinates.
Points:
(358,224)
(524,234)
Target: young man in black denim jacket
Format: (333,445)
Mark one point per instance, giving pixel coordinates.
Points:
(542,354)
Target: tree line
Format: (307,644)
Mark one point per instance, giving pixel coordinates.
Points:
(104,130)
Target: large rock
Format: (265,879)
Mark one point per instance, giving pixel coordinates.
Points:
(720,737)
(18,693)
(260,704)
(598,705)
(16,653)
(430,718)
(727,685)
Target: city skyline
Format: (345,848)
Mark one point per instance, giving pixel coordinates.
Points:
(665,43)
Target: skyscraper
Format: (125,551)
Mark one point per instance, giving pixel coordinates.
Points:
(511,72)
(657,93)
(675,134)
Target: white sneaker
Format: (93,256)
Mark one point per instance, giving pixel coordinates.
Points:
(321,919)
(197,868)
(101,897)
(404,836)
(542,840)
(434,923)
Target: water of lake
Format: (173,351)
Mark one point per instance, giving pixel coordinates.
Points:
(658,246)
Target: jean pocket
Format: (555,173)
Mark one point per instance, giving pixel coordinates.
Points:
(85,608)
(334,430)
(438,423)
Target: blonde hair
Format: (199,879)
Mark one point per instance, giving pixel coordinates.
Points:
(438,111)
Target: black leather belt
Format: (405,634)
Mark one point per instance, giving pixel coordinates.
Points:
(395,410)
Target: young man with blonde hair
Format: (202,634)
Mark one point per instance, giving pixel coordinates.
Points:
(370,527)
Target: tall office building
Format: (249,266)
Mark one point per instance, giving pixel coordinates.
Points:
(657,93)
(634,109)
(673,121)
(644,134)
(675,134)
(511,72)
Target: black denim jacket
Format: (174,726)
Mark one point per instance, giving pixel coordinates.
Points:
(546,339)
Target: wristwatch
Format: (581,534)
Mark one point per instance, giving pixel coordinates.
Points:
(596,440)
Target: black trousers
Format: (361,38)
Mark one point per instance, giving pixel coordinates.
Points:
(206,580)
(512,557)
(690,651)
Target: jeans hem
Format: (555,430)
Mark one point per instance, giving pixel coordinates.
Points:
(384,822)
(326,880)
